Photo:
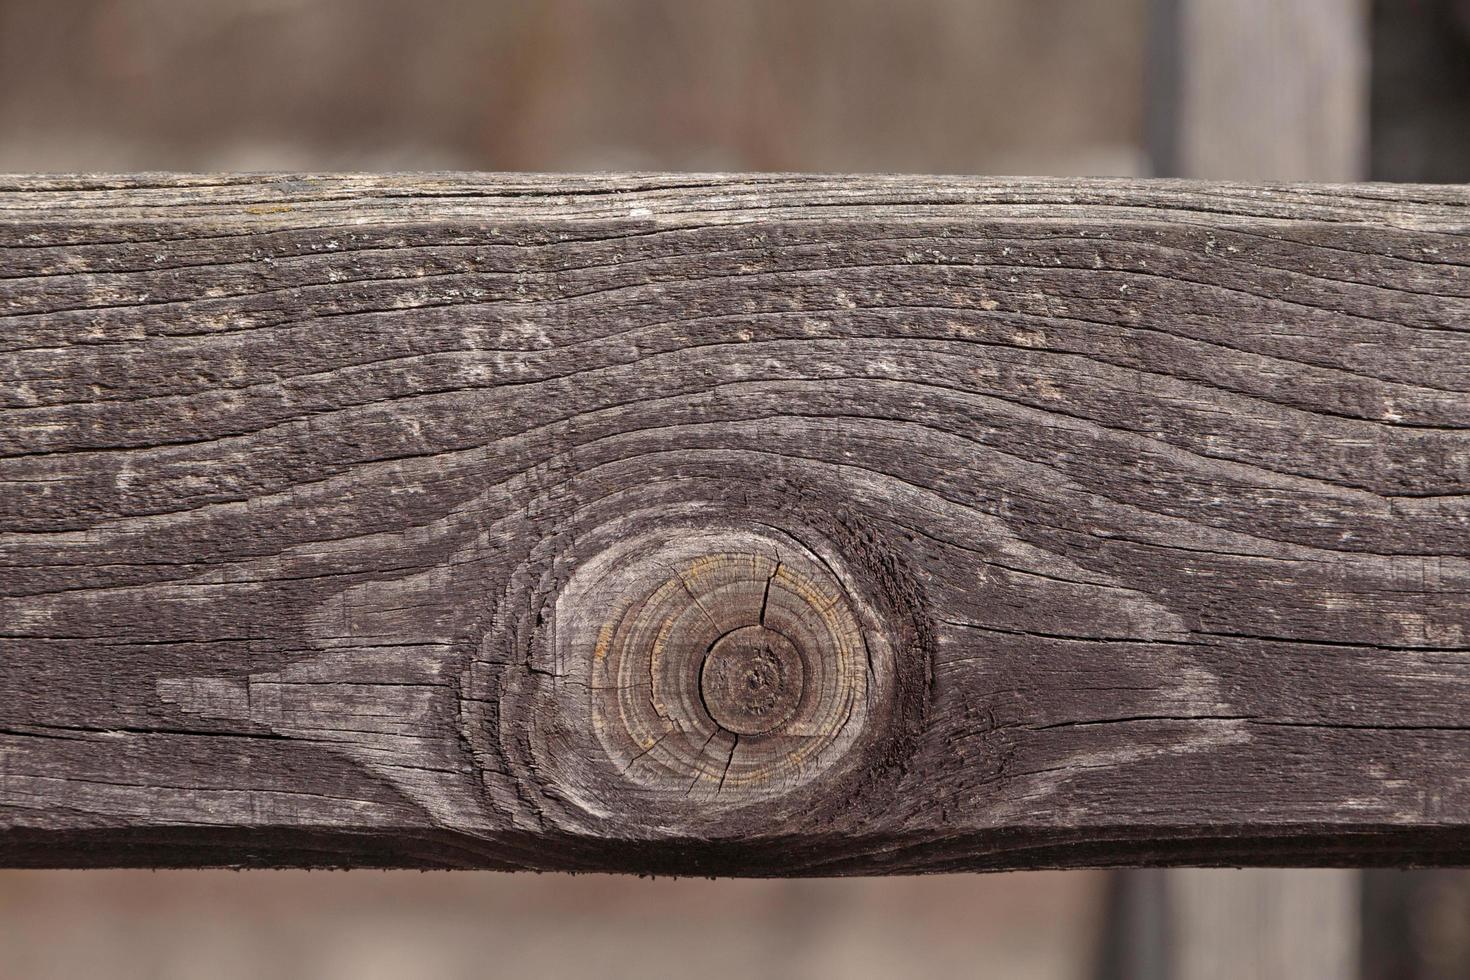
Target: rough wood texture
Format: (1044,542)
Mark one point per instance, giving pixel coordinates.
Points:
(764,525)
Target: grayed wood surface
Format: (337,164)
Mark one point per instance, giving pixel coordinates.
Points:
(440,521)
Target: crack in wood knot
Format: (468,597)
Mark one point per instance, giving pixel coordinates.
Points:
(691,672)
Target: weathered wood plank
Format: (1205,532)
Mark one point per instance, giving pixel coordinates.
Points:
(440,521)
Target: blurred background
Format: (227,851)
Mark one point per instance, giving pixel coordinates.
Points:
(1230,89)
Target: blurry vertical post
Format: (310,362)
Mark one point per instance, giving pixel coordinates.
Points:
(1249,90)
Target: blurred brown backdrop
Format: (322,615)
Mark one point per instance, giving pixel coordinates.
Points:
(968,86)
(222,925)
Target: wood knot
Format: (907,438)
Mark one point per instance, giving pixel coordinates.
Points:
(751,680)
(729,673)
(688,672)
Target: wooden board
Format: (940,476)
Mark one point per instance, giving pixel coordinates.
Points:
(750,525)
